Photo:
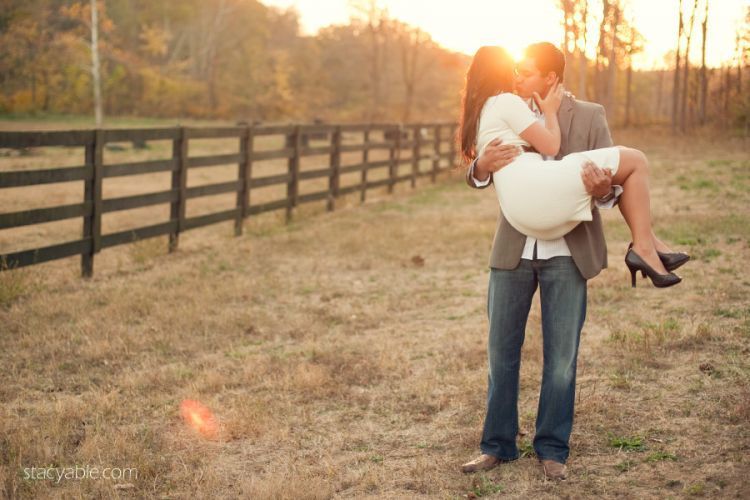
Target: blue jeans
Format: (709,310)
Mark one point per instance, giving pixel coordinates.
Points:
(563,303)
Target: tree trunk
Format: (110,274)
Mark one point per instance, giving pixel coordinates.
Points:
(47,90)
(727,89)
(659,95)
(568,33)
(212,52)
(676,82)
(583,62)
(629,80)
(704,75)
(409,59)
(628,94)
(612,66)
(95,65)
(376,29)
(739,65)
(599,84)
(686,71)
(33,89)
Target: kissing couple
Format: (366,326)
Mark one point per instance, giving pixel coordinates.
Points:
(552,162)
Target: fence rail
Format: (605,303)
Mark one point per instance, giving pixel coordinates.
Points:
(423,141)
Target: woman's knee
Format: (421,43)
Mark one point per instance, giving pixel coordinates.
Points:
(635,157)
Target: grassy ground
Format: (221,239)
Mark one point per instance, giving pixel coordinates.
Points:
(344,355)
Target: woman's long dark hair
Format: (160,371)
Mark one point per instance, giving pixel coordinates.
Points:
(490,73)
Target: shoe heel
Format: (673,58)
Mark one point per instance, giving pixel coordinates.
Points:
(635,264)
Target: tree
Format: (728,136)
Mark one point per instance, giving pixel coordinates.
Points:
(599,83)
(412,43)
(742,105)
(612,59)
(582,60)
(676,82)
(230,59)
(634,45)
(704,74)
(377,21)
(95,69)
(614,38)
(569,31)
(686,71)
(574,21)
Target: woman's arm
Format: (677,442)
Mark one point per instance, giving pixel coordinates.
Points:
(546,139)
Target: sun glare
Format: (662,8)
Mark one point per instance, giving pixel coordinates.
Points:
(199,418)
(467,25)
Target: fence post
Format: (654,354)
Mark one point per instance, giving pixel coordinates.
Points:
(179,184)
(436,157)
(335,176)
(92,194)
(243,194)
(292,186)
(395,154)
(365,161)
(415,152)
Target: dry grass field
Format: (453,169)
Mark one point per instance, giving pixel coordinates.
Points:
(344,355)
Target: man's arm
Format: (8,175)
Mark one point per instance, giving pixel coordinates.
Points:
(472,180)
(494,157)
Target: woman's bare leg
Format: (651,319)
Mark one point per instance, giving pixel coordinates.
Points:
(635,205)
(660,245)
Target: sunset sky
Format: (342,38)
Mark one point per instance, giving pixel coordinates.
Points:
(467,24)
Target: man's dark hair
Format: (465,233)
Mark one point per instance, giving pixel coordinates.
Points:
(547,58)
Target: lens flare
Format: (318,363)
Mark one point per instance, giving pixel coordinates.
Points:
(199,418)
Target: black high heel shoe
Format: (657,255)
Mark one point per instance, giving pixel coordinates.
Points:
(635,263)
(671,260)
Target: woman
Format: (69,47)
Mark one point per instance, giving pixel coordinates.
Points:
(546,199)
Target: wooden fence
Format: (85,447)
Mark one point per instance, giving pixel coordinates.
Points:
(424,141)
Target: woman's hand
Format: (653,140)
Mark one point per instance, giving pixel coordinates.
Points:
(546,138)
(551,102)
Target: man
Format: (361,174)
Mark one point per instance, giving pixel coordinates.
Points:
(560,268)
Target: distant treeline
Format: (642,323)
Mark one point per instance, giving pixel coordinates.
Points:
(687,94)
(240,59)
(221,59)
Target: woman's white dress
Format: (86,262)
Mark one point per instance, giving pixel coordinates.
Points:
(541,198)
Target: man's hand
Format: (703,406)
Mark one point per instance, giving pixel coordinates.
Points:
(494,157)
(597,181)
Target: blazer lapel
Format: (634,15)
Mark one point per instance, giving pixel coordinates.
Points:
(565,118)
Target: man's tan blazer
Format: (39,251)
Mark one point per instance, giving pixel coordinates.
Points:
(583,126)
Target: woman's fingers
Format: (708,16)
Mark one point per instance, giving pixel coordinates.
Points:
(558,90)
(537,100)
(556,85)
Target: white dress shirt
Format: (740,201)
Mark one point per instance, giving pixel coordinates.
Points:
(546,249)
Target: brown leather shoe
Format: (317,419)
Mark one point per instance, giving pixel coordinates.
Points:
(554,470)
(483,462)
